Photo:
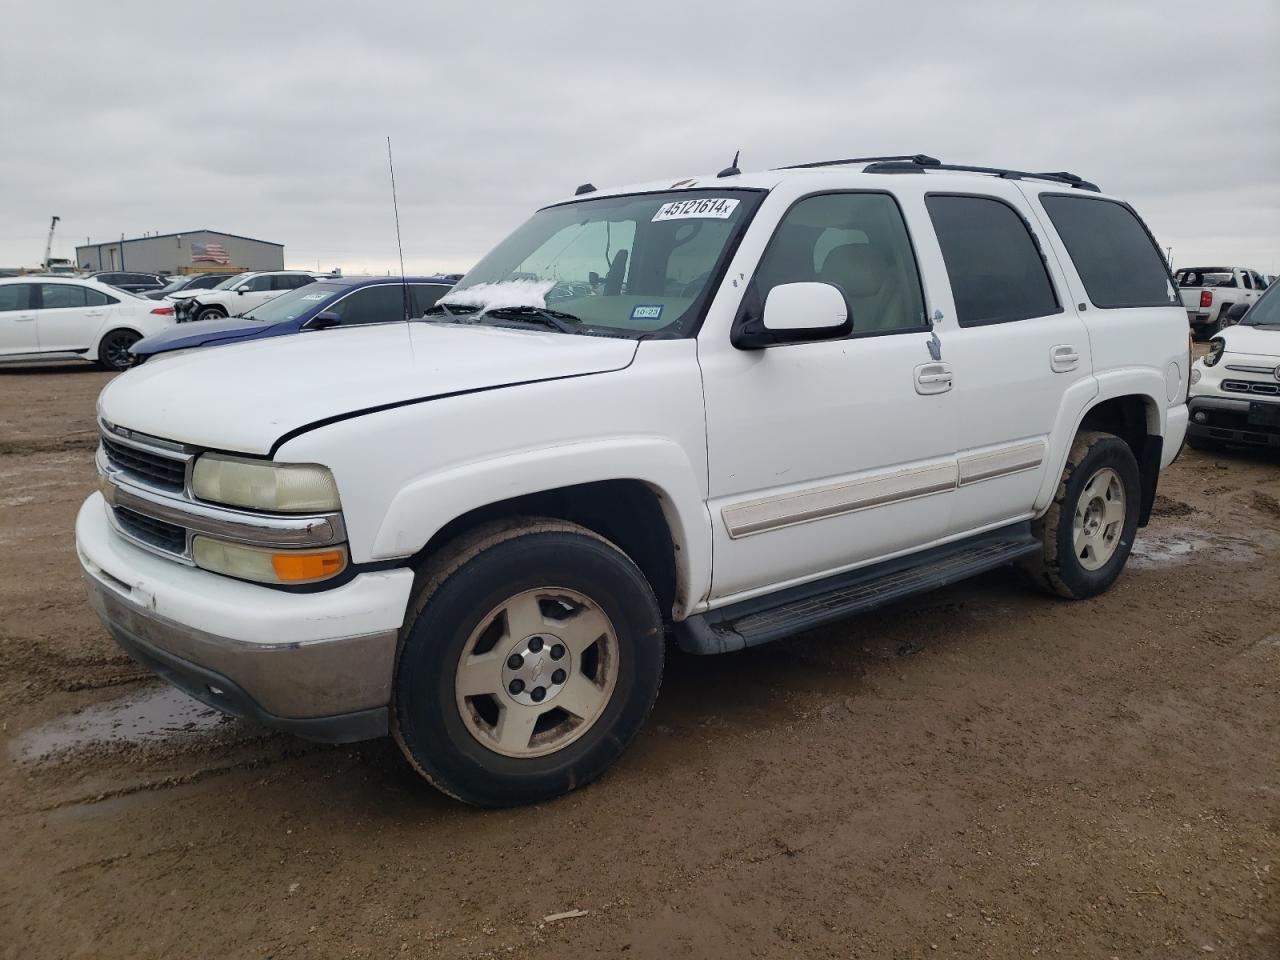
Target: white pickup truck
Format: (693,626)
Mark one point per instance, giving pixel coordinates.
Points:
(1208,293)
(724,409)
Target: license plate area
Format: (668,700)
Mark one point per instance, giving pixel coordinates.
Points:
(1264,414)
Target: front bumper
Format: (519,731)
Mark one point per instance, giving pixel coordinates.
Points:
(1226,419)
(319,664)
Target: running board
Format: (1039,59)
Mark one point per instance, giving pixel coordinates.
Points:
(762,619)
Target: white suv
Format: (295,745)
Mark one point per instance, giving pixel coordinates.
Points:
(238,295)
(726,408)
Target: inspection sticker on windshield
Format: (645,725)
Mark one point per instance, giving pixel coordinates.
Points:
(707,208)
(647,312)
(314,296)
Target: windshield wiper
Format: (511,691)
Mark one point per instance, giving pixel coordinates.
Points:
(555,319)
(450,310)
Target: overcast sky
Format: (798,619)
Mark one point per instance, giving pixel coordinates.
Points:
(268,119)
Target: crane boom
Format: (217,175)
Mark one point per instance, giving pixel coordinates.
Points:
(48,247)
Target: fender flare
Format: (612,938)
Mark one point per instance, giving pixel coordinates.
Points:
(425,505)
(1127,381)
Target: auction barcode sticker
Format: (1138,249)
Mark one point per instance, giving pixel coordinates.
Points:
(712,208)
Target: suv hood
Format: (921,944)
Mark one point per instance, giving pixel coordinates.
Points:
(243,397)
(1257,341)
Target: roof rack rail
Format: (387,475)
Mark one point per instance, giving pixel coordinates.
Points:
(919,158)
(914,165)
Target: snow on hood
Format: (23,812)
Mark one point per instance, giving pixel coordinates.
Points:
(501,296)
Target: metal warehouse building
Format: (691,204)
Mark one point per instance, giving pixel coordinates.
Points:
(197,251)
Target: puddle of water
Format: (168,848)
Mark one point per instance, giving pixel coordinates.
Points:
(157,714)
(1184,546)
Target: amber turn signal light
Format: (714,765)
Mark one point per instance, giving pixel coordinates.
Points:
(298,567)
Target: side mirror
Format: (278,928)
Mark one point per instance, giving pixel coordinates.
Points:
(242,290)
(796,313)
(322,321)
(1236,312)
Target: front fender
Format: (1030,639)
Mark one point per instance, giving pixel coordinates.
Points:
(424,506)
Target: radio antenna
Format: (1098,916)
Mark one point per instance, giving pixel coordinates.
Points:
(404,283)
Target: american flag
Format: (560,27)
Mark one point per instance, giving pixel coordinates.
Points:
(209,253)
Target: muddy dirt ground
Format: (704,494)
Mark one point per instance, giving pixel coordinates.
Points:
(983,772)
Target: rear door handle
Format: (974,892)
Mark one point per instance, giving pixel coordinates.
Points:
(25,316)
(933,378)
(1064,358)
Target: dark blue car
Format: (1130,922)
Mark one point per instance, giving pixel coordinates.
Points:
(339,301)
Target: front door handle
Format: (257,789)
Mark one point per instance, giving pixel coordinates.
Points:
(933,378)
(25,316)
(1064,358)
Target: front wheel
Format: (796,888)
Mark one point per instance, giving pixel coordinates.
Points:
(531,660)
(211,313)
(113,350)
(1088,531)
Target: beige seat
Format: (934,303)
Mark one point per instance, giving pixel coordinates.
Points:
(870,283)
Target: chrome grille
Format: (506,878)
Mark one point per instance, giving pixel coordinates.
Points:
(153,468)
(1252,386)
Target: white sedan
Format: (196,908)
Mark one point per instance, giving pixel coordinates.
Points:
(55,318)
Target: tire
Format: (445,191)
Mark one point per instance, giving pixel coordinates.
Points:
(211,313)
(481,641)
(1083,555)
(113,350)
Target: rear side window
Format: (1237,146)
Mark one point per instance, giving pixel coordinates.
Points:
(1116,258)
(15,296)
(57,295)
(997,273)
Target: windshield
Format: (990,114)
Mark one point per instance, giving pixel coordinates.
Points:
(230,282)
(1266,312)
(291,305)
(631,265)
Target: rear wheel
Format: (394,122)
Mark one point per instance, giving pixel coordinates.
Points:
(533,657)
(1088,530)
(113,350)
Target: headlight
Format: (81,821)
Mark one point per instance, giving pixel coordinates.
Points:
(267,566)
(263,485)
(1216,348)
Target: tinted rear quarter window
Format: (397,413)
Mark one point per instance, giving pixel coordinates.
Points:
(1116,257)
(997,273)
